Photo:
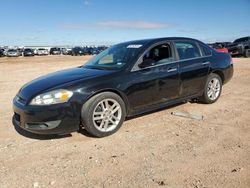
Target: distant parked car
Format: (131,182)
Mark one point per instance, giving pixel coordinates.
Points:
(240,47)
(20,50)
(13,53)
(63,51)
(28,52)
(55,51)
(225,44)
(2,53)
(66,51)
(219,47)
(95,51)
(5,51)
(78,51)
(91,51)
(99,49)
(42,51)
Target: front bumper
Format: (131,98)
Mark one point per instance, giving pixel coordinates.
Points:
(235,50)
(28,54)
(53,119)
(56,53)
(12,55)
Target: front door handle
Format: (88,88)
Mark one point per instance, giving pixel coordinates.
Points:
(171,69)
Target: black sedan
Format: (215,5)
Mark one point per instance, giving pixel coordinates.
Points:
(127,79)
(55,51)
(28,52)
(78,51)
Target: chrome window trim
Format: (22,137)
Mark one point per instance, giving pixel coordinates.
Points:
(171,43)
(137,62)
(136,67)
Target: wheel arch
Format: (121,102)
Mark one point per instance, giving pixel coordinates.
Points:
(117,92)
(220,73)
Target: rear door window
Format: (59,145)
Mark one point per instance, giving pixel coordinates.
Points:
(187,50)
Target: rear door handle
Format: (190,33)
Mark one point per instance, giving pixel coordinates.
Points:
(171,69)
(205,63)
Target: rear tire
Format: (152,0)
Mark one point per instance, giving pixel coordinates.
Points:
(212,89)
(247,53)
(103,114)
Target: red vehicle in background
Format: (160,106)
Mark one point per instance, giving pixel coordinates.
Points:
(220,47)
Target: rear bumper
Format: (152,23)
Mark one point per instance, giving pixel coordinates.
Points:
(54,119)
(228,73)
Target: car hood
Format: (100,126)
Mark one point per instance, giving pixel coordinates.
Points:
(55,79)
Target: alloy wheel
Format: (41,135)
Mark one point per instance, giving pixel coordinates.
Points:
(107,115)
(213,90)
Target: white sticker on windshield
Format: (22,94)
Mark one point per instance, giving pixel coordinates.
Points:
(134,46)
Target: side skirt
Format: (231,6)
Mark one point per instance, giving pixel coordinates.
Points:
(161,106)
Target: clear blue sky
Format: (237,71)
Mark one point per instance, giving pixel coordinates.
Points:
(74,22)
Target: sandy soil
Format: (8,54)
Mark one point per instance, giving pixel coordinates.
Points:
(153,150)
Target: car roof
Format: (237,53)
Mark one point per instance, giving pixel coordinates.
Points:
(155,40)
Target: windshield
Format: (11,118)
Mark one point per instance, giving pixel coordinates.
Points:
(77,48)
(12,50)
(114,57)
(55,49)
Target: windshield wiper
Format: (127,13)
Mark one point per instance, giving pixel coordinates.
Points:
(95,67)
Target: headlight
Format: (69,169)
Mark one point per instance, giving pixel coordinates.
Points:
(52,97)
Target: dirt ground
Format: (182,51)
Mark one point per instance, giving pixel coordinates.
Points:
(153,150)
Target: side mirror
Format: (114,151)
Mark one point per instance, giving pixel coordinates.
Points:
(146,63)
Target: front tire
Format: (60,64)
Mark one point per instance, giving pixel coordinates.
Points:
(103,114)
(212,89)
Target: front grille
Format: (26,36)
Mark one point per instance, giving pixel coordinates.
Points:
(233,48)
